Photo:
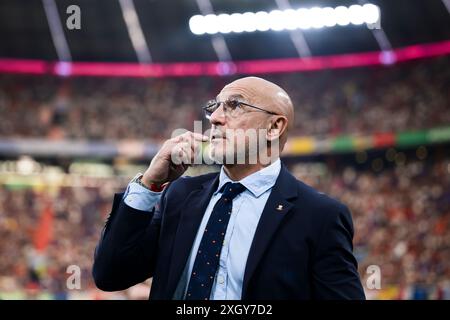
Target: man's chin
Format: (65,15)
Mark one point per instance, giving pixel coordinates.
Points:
(217,155)
(220,157)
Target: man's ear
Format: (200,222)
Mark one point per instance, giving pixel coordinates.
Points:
(276,128)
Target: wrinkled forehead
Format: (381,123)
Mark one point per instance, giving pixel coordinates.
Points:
(242,93)
(228,97)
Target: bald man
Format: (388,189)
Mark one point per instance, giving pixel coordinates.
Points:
(251,231)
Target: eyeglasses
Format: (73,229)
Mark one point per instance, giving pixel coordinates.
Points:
(232,108)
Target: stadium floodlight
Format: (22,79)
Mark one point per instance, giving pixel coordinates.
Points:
(290,19)
(210,23)
(317,18)
(342,16)
(371,13)
(276,20)
(356,13)
(304,19)
(329,17)
(262,21)
(196,25)
(248,19)
(237,23)
(225,23)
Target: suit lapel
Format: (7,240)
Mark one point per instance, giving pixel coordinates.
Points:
(193,209)
(275,211)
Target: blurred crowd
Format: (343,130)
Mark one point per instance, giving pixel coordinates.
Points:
(35,265)
(401,217)
(405,233)
(395,98)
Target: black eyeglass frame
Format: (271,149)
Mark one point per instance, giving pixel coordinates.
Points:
(209,104)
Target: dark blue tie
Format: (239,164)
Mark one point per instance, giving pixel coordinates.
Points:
(208,254)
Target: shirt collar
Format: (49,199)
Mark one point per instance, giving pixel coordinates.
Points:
(257,183)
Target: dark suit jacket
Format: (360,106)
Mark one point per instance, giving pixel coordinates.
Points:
(303,251)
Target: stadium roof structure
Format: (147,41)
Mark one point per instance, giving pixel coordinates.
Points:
(29,30)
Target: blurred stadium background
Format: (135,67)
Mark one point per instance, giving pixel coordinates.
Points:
(83,110)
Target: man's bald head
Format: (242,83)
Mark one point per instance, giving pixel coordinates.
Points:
(264,94)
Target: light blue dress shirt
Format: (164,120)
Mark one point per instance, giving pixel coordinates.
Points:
(140,198)
(247,210)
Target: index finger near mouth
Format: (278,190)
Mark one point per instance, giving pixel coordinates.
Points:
(199,136)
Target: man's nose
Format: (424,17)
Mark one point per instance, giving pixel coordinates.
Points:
(218,116)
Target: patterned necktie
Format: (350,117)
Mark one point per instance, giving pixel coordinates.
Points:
(207,259)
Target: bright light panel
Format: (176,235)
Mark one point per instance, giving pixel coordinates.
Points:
(279,20)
